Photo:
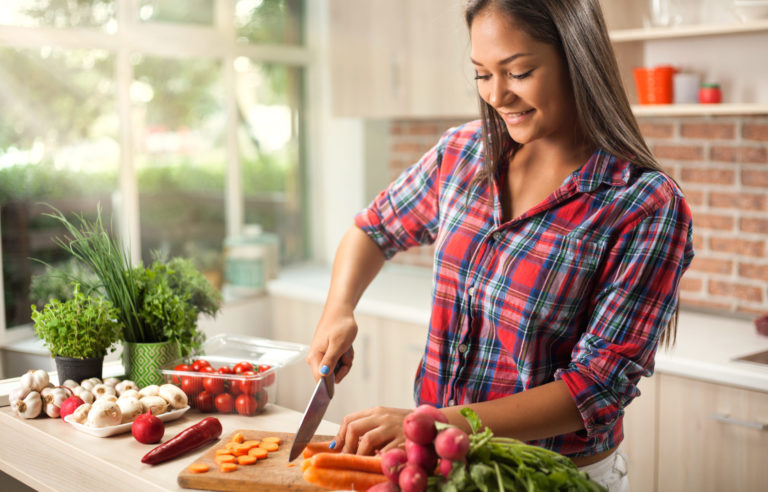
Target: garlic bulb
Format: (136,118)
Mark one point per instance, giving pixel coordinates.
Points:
(174,395)
(125,386)
(52,400)
(155,404)
(151,390)
(104,413)
(80,415)
(35,380)
(111,382)
(87,384)
(69,383)
(108,398)
(103,390)
(84,394)
(129,394)
(29,407)
(18,393)
(131,408)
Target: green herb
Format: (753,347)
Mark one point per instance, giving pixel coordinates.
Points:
(82,327)
(499,463)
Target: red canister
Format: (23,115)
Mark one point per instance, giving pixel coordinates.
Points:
(710,94)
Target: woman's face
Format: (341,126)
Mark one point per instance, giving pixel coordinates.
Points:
(524,80)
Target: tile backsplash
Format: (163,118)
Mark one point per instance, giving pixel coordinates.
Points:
(720,162)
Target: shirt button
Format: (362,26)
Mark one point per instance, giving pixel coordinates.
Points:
(462,348)
(472,291)
(497,236)
(451,402)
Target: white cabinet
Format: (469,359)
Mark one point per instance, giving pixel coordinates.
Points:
(640,421)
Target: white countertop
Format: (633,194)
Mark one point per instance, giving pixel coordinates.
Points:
(705,348)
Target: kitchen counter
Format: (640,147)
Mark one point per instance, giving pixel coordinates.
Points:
(706,345)
(49,454)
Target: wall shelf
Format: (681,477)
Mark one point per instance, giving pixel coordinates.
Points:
(686,31)
(698,109)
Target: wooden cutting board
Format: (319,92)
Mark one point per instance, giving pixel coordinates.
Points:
(272,473)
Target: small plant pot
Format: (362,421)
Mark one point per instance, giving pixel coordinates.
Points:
(142,361)
(78,369)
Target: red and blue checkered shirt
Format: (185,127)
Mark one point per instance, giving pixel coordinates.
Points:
(578,288)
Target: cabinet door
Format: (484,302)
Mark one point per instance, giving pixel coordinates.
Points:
(639,444)
(711,437)
(402,345)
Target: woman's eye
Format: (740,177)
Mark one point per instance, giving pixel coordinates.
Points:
(520,76)
(481,77)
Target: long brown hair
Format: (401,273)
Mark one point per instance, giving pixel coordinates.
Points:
(576,28)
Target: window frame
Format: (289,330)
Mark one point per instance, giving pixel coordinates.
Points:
(177,41)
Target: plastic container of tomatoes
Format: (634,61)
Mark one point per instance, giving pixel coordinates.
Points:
(233,374)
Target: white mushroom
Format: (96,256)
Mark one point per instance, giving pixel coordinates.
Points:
(103,390)
(129,394)
(131,408)
(111,382)
(155,404)
(174,395)
(125,386)
(151,390)
(104,413)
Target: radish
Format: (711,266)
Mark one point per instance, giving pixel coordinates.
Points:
(392,462)
(433,411)
(412,479)
(384,487)
(452,444)
(422,455)
(69,405)
(445,467)
(148,429)
(419,427)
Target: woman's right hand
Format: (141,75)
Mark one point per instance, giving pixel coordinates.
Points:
(332,344)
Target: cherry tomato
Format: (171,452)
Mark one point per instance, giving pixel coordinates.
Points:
(225,370)
(241,367)
(246,405)
(180,368)
(250,384)
(205,401)
(225,403)
(191,385)
(199,364)
(214,384)
(261,399)
(269,379)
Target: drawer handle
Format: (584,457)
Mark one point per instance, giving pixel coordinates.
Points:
(727,419)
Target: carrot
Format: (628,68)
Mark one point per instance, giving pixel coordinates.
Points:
(258,453)
(347,461)
(291,465)
(246,460)
(269,446)
(251,444)
(223,451)
(224,458)
(318,447)
(305,464)
(238,438)
(227,467)
(240,450)
(198,468)
(342,479)
(274,439)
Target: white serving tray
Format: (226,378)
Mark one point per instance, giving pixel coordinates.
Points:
(126,427)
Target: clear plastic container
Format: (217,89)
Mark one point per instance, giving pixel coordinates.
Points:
(238,391)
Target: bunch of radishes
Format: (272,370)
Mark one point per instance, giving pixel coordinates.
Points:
(427,452)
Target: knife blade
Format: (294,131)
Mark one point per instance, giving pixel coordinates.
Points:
(314,413)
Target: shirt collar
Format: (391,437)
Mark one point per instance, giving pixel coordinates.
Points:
(601,167)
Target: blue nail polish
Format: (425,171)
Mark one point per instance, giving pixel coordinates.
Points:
(325,370)
(332,445)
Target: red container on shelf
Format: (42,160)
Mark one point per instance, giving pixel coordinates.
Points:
(710,94)
(654,85)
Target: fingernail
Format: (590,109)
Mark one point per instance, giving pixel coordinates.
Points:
(333,443)
(324,371)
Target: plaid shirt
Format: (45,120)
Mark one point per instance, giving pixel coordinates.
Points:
(579,288)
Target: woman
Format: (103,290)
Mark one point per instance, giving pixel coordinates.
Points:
(559,246)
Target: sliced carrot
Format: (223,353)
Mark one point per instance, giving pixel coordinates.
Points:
(223,451)
(246,460)
(318,447)
(198,468)
(269,446)
(347,461)
(241,450)
(291,465)
(258,453)
(224,458)
(228,467)
(274,439)
(238,438)
(251,444)
(342,479)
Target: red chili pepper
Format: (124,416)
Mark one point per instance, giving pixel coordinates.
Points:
(190,438)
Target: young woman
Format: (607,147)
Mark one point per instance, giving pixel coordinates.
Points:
(559,246)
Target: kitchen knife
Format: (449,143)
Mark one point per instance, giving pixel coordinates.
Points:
(314,413)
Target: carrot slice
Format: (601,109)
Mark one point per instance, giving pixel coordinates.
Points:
(342,479)
(347,461)
(223,451)
(238,438)
(274,439)
(251,443)
(229,467)
(269,446)
(198,468)
(224,458)
(246,460)
(258,453)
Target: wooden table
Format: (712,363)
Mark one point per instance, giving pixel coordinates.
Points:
(49,454)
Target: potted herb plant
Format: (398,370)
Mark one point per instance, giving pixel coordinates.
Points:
(157,306)
(79,332)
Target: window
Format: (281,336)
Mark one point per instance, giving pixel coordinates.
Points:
(181,119)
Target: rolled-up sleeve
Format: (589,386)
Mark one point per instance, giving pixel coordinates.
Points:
(405,214)
(635,300)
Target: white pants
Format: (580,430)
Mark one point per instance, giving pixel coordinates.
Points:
(610,472)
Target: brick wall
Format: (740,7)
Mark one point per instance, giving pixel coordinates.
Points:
(720,162)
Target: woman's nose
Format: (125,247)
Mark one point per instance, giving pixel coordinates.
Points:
(499,91)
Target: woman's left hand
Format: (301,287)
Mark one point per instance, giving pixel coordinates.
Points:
(367,431)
